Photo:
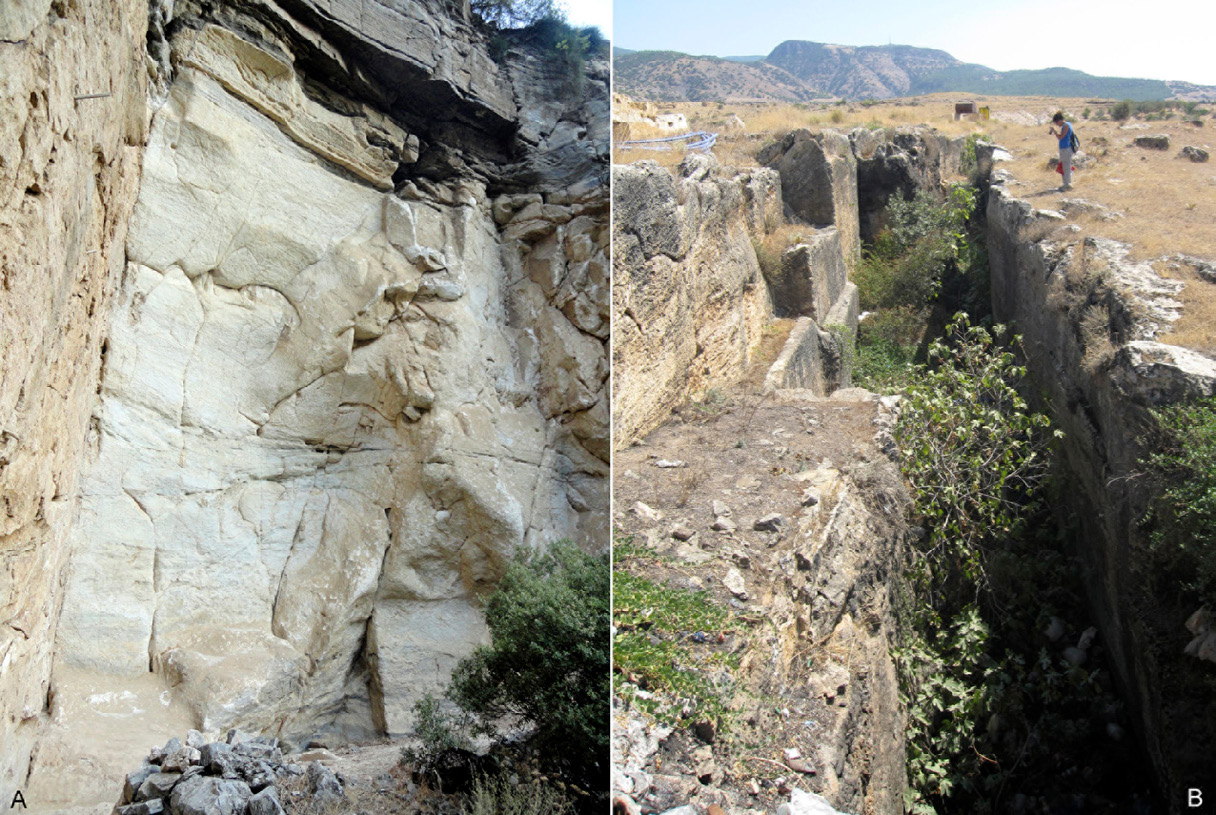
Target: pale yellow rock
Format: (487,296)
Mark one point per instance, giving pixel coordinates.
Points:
(688,299)
(324,432)
(370,145)
(69,174)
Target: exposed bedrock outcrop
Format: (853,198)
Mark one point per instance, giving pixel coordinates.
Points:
(898,161)
(847,179)
(818,181)
(1090,318)
(356,361)
(812,285)
(689,302)
(69,172)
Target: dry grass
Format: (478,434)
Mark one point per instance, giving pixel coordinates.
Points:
(1196,328)
(765,353)
(771,248)
(1167,204)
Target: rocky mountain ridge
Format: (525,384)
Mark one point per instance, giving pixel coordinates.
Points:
(812,70)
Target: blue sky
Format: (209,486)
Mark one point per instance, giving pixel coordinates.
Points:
(1169,39)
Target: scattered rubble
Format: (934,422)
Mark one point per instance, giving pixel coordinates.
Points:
(231,777)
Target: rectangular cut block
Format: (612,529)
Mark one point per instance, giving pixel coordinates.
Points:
(811,278)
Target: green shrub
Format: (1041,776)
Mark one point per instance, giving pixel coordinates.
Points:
(548,662)
(1183,517)
(926,239)
(442,729)
(943,690)
(925,216)
(970,448)
(887,342)
(968,163)
(1120,111)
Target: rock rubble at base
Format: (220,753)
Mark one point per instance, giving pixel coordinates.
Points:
(236,776)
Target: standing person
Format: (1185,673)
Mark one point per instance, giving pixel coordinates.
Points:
(1066,147)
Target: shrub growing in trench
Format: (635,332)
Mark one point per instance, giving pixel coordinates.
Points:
(970,447)
(976,458)
(1183,516)
(925,259)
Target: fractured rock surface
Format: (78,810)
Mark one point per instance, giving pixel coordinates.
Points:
(689,301)
(69,175)
(1102,384)
(355,361)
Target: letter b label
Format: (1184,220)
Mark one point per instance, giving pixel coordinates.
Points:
(1194,798)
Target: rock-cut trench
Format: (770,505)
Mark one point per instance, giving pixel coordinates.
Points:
(691,306)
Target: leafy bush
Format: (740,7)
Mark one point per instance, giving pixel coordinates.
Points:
(887,342)
(1120,111)
(924,216)
(546,667)
(968,163)
(549,624)
(944,694)
(925,239)
(992,705)
(970,447)
(1183,516)
(442,729)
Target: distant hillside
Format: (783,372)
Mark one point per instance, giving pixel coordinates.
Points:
(797,70)
(884,71)
(672,76)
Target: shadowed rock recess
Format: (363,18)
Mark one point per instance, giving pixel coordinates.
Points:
(304,339)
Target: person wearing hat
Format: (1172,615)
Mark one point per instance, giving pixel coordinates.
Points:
(1066,151)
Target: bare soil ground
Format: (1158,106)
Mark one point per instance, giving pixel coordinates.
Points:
(756,455)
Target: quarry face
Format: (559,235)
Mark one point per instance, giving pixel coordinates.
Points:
(323,349)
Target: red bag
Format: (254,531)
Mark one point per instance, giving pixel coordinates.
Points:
(1060,168)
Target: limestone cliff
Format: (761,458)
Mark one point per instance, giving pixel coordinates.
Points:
(354,362)
(69,171)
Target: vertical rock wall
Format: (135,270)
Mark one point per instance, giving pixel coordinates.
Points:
(356,362)
(1100,385)
(688,301)
(69,174)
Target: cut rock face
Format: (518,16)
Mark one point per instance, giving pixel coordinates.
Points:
(343,384)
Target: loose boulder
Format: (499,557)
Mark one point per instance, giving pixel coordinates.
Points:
(1158,142)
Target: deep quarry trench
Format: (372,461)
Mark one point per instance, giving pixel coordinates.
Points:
(691,494)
